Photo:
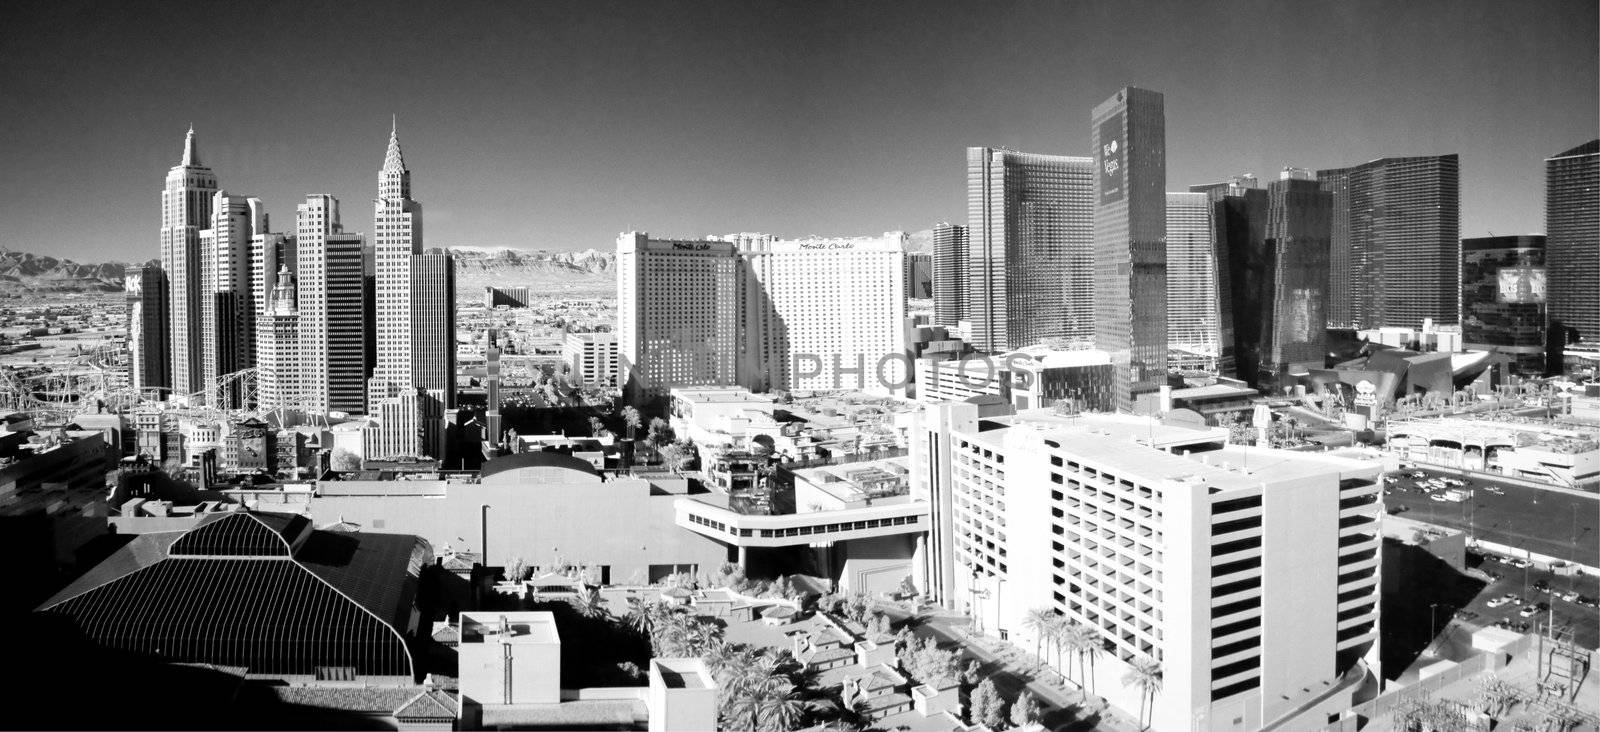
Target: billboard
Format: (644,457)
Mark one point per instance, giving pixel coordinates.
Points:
(1111,159)
(1521,284)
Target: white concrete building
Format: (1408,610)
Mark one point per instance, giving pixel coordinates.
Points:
(1249,575)
(185,211)
(328,279)
(825,314)
(807,314)
(593,357)
(677,313)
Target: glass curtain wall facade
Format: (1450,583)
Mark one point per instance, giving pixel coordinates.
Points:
(1572,228)
(1503,290)
(1130,248)
(1029,276)
(1397,227)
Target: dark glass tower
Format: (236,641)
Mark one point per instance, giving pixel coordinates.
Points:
(949,273)
(1572,228)
(1130,250)
(1503,298)
(1298,231)
(1396,227)
(1275,249)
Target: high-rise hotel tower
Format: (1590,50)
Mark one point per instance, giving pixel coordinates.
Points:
(1030,248)
(185,211)
(329,294)
(413,378)
(1394,253)
(1130,247)
(1572,245)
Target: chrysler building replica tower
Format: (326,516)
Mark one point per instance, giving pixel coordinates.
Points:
(405,395)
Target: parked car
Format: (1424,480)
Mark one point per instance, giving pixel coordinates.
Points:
(1528,610)
(1497,490)
(1587,601)
(1542,585)
(1570,596)
(1419,475)
(1501,600)
(1519,563)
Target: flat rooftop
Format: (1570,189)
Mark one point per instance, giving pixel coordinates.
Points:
(514,627)
(1135,445)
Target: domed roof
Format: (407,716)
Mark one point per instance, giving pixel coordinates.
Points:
(535,460)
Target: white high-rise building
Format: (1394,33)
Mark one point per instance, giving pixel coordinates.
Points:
(761,312)
(1030,245)
(1192,309)
(278,347)
(593,357)
(227,315)
(413,376)
(825,314)
(185,211)
(678,313)
(396,239)
(328,279)
(1250,576)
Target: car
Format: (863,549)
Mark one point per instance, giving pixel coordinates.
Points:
(1587,601)
(1542,585)
(1465,615)
(1497,490)
(1457,482)
(1570,596)
(1528,610)
(1494,575)
(1498,601)
(1419,475)
(1399,509)
(1519,563)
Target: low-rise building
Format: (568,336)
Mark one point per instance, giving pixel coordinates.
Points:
(539,507)
(593,358)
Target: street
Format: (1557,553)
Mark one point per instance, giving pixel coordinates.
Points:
(1552,523)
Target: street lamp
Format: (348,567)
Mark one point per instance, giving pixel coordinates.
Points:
(1432,626)
(483,533)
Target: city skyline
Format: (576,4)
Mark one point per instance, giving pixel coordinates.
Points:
(766,114)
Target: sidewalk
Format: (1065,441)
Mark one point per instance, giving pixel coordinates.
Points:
(1065,708)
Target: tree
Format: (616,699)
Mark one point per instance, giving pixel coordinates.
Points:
(1146,676)
(1036,620)
(1091,650)
(517,570)
(630,418)
(589,603)
(1056,635)
(660,434)
(988,707)
(596,426)
(1025,710)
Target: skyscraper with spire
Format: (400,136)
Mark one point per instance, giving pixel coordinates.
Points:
(413,376)
(186,205)
(396,239)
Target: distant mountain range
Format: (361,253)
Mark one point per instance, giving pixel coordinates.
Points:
(589,273)
(23,273)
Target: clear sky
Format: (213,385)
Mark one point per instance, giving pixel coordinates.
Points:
(558,124)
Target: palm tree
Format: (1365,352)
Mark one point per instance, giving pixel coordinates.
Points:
(1057,634)
(1145,674)
(589,604)
(630,417)
(1092,650)
(1037,620)
(595,426)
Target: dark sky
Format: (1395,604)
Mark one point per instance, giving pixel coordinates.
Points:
(558,124)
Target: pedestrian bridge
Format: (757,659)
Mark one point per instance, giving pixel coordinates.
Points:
(710,516)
